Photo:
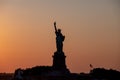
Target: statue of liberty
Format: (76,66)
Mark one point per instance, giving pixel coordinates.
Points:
(59,39)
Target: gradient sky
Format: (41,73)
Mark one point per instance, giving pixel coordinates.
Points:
(91,27)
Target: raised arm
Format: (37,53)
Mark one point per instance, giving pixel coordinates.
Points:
(55,26)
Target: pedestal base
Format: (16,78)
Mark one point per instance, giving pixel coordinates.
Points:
(59,62)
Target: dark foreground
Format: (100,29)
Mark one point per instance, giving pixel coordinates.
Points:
(6,76)
(95,74)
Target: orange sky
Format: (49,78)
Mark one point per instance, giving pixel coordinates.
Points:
(91,28)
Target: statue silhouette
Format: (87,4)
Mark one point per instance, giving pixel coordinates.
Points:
(59,39)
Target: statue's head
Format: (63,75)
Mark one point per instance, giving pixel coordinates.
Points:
(59,30)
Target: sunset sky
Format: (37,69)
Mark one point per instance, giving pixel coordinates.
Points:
(91,27)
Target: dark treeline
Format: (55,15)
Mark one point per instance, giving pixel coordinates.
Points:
(95,74)
(6,76)
(38,70)
(102,73)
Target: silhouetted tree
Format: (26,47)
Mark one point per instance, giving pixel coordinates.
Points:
(102,73)
(38,70)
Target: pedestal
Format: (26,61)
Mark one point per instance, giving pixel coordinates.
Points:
(59,62)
